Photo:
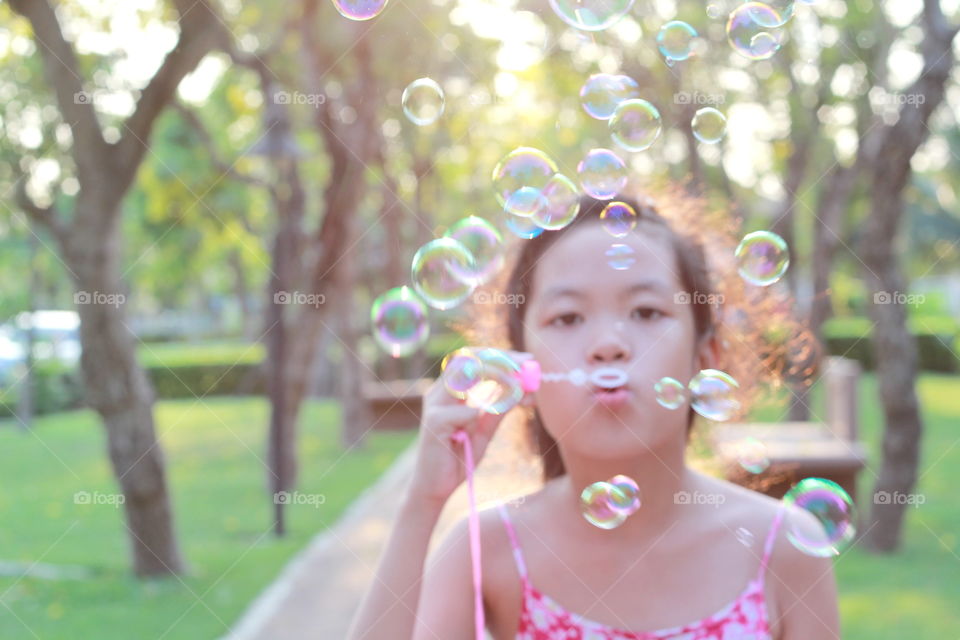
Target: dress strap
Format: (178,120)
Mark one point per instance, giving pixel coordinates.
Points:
(517,555)
(771,538)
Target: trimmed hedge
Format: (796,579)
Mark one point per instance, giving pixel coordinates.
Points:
(937,337)
(56,387)
(199,380)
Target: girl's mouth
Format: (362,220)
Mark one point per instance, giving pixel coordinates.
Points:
(613,396)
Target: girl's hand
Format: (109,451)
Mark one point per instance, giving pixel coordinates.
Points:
(441,466)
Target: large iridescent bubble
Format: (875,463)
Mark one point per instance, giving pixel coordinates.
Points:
(820,517)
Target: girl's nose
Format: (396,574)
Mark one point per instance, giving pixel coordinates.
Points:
(609,347)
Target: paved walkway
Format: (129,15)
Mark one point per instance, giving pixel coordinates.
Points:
(318,592)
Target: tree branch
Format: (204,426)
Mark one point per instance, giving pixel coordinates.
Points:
(200,31)
(47,217)
(206,140)
(62,72)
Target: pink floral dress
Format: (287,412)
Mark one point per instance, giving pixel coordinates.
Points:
(542,618)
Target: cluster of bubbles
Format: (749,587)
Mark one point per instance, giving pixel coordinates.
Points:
(634,123)
(444,273)
(608,504)
(712,393)
(485,378)
(817,501)
(534,194)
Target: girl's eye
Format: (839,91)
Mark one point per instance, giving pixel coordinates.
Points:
(565,320)
(647,313)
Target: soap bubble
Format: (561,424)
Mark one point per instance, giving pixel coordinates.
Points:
(522,167)
(675,40)
(525,202)
(360,9)
(618,219)
(747,34)
(521,227)
(422,101)
(671,394)
(602,92)
(461,370)
(602,174)
(621,256)
(635,124)
(400,322)
(762,258)
(714,394)
(708,125)
(497,388)
(628,501)
(597,505)
(752,455)
(562,203)
(484,243)
(830,506)
(591,15)
(772,13)
(438,270)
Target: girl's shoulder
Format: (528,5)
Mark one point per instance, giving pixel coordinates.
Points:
(739,504)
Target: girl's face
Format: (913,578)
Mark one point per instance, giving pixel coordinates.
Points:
(583,314)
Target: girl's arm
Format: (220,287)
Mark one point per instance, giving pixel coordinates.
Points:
(806,591)
(389,608)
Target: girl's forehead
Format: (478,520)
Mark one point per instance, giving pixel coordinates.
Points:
(582,258)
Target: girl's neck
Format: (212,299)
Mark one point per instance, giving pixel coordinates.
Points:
(662,479)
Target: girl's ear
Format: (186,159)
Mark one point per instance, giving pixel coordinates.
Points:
(708,351)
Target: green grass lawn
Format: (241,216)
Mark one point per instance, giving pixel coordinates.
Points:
(914,593)
(214,452)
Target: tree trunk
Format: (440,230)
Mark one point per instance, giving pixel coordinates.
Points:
(893,346)
(242,291)
(354,410)
(117,388)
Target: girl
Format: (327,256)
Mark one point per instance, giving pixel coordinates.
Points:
(702,559)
